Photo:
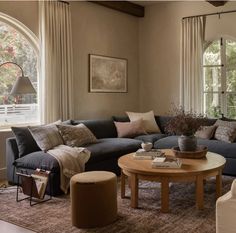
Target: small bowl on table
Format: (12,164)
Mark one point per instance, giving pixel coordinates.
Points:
(147,146)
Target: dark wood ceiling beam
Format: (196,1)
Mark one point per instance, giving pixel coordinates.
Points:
(123,6)
(217,3)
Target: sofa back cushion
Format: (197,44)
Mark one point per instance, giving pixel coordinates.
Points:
(162,121)
(25,141)
(120,118)
(100,128)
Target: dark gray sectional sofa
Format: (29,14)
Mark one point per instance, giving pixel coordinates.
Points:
(105,153)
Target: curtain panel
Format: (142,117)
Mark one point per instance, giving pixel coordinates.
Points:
(193,33)
(56,61)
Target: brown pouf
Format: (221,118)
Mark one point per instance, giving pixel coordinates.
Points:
(93,199)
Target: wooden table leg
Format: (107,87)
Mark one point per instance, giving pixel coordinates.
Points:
(134,190)
(218,185)
(165,195)
(122,188)
(199,192)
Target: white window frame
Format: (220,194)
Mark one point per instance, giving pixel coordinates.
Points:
(222,92)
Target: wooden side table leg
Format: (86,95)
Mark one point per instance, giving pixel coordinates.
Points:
(122,188)
(165,195)
(218,185)
(134,190)
(199,192)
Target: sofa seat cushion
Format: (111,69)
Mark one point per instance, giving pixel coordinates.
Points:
(38,159)
(104,149)
(228,150)
(107,148)
(150,137)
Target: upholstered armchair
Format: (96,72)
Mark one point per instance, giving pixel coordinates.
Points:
(226,211)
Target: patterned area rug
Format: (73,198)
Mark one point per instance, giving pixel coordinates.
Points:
(54,216)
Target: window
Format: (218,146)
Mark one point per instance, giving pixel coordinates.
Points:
(16,47)
(219,78)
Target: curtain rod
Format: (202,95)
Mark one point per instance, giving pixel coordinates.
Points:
(216,13)
(64,2)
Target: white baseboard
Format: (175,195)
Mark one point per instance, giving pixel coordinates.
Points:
(3,173)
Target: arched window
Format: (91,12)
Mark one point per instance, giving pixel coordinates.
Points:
(220,78)
(18,45)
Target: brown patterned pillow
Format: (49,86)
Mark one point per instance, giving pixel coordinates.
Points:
(226,130)
(130,129)
(78,135)
(206,132)
(225,133)
(46,136)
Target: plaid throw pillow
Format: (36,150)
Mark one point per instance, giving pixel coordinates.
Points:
(78,135)
(46,136)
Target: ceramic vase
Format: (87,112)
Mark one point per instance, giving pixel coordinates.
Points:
(187,143)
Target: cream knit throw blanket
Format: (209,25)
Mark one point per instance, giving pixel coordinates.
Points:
(71,161)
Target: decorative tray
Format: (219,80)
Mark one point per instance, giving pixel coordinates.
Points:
(199,153)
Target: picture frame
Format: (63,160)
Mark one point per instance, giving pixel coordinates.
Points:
(107,74)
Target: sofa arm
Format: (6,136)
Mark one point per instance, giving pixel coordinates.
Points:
(12,154)
(225,211)
(233,189)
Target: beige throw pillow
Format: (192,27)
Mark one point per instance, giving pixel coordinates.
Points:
(148,118)
(206,132)
(46,136)
(78,135)
(130,129)
(226,131)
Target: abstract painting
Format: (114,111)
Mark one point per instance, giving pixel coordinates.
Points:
(107,74)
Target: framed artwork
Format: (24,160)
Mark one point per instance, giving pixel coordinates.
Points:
(107,74)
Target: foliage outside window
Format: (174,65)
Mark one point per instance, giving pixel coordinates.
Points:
(220,78)
(15,48)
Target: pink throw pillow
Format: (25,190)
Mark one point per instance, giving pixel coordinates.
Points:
(130,129)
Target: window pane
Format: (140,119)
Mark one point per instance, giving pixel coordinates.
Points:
(212,79)
(212,54)
(212,104)
(231,107)
(15,48)
(231,80)
(230,53)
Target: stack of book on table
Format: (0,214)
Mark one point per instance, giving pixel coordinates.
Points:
(166,162)
(153,153)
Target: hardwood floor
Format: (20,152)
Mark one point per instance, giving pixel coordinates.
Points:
(6,227)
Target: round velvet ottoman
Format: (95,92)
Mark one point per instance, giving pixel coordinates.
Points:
(93,199)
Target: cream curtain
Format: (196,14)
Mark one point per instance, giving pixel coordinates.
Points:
(56,61)
(193,30)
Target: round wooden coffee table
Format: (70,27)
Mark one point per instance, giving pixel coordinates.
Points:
(192,170)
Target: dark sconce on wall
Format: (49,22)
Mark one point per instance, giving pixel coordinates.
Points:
(22,84)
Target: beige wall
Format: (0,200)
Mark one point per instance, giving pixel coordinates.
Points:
(102,31)
(24,11)
(159,48)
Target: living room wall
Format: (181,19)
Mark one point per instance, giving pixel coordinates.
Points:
(159,48)
(102,31)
